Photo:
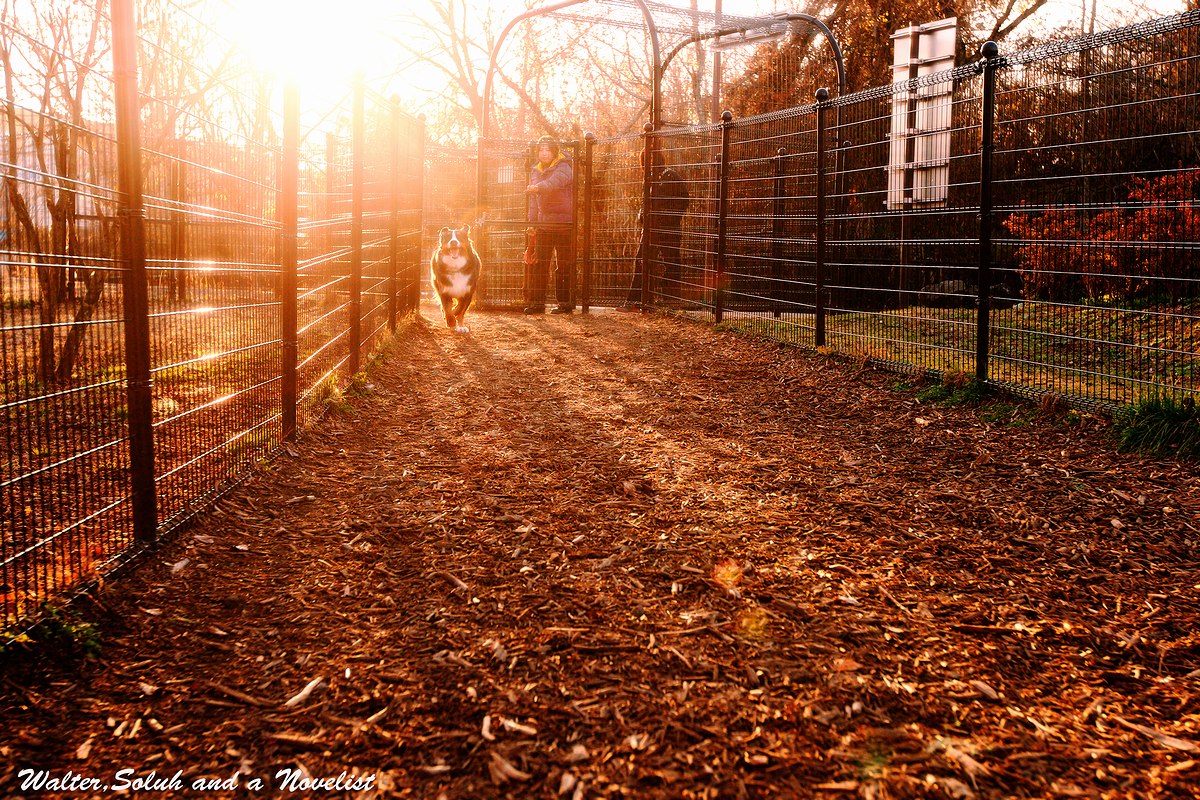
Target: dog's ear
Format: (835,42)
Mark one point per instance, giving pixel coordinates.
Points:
(466,229)
(443,231)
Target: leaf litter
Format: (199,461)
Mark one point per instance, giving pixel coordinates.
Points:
(637,557)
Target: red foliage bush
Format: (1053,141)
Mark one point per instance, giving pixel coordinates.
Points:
(1147,247)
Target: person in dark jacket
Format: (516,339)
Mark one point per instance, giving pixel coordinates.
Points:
(669,200)
(551,193)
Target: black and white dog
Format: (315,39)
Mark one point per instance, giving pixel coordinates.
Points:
(454,270)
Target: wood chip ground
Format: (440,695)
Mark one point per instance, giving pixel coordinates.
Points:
(633,556)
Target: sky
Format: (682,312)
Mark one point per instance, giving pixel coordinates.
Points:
(321,44)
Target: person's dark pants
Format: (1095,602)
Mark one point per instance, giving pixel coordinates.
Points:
(552,242)
(665,261)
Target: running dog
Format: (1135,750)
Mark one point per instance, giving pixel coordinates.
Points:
(454,271)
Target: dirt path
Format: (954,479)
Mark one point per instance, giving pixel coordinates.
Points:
(632,556)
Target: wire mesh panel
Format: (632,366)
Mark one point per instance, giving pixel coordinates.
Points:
(683,217)
(64,481)
(120,419)
(1098,215)
(504,215)
(323,271)
(903,254)
(409,182)
(210,180)
(376,221)
(505,224)
(616,196)
(770,256)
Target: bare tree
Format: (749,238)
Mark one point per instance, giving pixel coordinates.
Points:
(59,47)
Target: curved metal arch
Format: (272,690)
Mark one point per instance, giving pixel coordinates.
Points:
(486,99)
(767,22)
(651,28)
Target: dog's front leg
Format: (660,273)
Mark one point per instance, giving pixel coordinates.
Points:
(460,312)
(448,309)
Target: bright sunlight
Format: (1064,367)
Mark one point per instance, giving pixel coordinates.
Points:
(316,43)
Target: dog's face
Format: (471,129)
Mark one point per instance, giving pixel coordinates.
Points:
(455,241)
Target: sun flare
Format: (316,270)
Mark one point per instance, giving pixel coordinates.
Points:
(318,45)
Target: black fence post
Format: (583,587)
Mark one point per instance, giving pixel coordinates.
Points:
(722,215)
(778,209)
(589,144)
(135,292)
(647,202)
(289,182)
(419,224)
(987,134)
(394,216)
(356,226)
(819,268)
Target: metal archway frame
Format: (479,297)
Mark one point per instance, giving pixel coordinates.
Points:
(656,80)
(766,23)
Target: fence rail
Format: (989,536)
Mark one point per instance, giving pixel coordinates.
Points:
(187,278)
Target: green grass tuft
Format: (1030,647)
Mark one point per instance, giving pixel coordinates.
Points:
(1160,426)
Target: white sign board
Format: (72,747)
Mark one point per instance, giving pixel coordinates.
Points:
(919,155)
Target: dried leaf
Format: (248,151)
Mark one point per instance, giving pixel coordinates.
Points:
(304,693)
(985,690)
(1164,739)
(84,750)
(502,770)
(512,725)
(179,565)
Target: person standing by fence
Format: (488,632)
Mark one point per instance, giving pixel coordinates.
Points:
(552,213)
(669,200)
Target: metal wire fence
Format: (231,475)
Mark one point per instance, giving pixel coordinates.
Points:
(1031,219)
(186,279)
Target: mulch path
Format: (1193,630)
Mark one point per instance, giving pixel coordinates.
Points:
(633,556)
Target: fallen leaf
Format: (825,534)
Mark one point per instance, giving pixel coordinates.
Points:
(502,769)
(985,690)
(512,725)
(303,694)
(434,769)
(1164,739)
(85,749)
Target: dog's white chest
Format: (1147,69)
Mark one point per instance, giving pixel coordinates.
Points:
(458,283)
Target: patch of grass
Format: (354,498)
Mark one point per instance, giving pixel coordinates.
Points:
(1160,426)
(64,631)
(957,388)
